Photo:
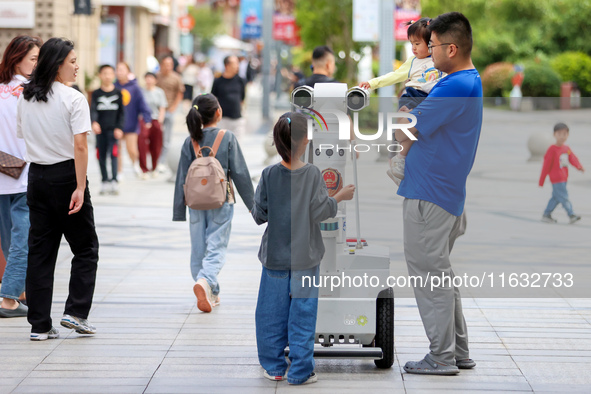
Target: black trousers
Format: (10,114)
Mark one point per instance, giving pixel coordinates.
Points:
(48,196)
(106,146)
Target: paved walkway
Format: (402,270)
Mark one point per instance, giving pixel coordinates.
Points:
(152,339)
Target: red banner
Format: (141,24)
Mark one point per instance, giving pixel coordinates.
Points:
(285,29)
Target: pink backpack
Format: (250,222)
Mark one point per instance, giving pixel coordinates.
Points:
(206,186)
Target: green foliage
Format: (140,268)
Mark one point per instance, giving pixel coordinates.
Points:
(509,30)
(321,22)
(496,79)
(208,24)
(576,67)
(540,81)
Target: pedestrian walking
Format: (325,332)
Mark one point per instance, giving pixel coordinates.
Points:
(150,139)
(230,90)
(292,199)
(58,195)
(107,114)
(210,229)
(18,63)
(555,165)
(448,128)
(172,84)
(135,106)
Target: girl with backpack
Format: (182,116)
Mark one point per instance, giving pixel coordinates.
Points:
(210,229)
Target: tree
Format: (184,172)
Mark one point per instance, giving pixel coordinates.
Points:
(208,24)
(326,22)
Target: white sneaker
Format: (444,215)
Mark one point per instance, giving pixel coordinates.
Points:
(137,169)
(51,334)
(205,299)
(397,165)
(105,188)
(115,188)
(80,325)
(161,168)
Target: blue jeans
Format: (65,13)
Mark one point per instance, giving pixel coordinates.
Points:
(14,233)
(286,314)
(559,196)
(210,233)
(412,98)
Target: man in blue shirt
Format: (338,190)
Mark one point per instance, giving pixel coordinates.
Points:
(434,186)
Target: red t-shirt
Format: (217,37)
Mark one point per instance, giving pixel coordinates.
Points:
(556,162)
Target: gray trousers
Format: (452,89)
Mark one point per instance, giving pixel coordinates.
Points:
(429,233)
(166,137)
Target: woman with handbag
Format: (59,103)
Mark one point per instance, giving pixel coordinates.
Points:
(54,120)
(210,229)
(18,62)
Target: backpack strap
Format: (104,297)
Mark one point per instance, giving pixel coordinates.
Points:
(218,141)
(216,145)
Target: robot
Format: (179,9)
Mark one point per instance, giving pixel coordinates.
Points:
(353,321)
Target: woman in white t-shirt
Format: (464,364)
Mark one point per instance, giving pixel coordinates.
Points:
(18,62)
(54,120)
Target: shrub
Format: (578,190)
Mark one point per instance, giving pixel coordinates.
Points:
(540,81)
(576,67)
(496,79)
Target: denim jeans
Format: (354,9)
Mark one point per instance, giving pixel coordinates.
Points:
(210,233)
(286,314)
(14,233)
(559,196)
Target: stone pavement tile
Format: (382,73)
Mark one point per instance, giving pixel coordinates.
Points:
(438,391)
(552,372)
(205,371)
(9,381)
(84,382)
(67,388)
(561,388)
(73,372)
(210,384)
(198,360)
(200,388)
(466,382)
(329,386)
(98,368)
(94,360)
(6,389)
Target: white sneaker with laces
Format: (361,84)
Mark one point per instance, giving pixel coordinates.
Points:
(51,334)
(81,326)
(115,188)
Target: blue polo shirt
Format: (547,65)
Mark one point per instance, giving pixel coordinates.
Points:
(449,122)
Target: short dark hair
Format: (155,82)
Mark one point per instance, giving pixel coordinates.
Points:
(320,52)
(227,59)
(420,29)
(560,126)
(457,27)
(150,74)
(289,131)
(102,67)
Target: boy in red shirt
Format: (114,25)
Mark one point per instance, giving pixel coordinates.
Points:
(556,162)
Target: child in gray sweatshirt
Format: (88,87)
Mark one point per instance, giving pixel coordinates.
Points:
(292,199)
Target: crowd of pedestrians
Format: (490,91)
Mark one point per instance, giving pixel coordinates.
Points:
(45,126)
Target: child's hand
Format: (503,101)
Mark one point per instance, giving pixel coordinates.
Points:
(96,128)
(346,193)
(118,134)
(365,85)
